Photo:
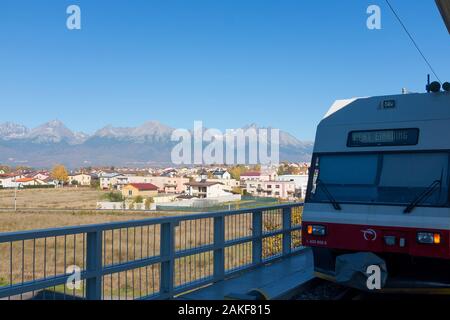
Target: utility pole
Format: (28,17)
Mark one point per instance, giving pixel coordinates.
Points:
(15,195)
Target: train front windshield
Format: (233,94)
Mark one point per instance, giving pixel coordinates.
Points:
(382,178)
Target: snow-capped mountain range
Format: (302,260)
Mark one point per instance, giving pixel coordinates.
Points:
(148,144)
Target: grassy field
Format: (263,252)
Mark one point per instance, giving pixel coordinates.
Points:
(46,208)
(15,221)
(63,198)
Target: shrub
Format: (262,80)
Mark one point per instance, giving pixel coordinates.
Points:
(95,183)
(114,196)
(237,190)
(49,186)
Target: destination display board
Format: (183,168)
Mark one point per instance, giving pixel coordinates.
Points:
(379,138)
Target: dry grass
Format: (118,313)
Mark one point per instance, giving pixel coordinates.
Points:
(62,198)
(12,221)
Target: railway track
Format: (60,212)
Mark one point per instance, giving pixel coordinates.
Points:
(319,289)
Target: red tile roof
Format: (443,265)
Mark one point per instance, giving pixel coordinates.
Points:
(202,184)
(251,174)
(25,180)
(144,186)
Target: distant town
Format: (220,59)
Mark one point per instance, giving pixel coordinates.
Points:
(151,189)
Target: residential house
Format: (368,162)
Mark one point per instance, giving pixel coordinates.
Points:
(251,176)
(271,189)
(221,174)
(165,184)
(144,190)
(202,175)
(169,172)
(264,175)
(41,175)
(9,180)
(27,182)
(206,189)
(112,181)
(228,184)
(80,179)
(300,181)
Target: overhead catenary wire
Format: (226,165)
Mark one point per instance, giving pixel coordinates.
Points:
(412,39)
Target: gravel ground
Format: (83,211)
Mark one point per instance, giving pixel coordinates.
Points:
(321,291)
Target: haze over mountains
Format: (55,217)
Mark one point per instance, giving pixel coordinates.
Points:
(145,145)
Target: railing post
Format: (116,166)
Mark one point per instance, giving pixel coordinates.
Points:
(94,265)
(257,237)
(219,250)
(287,236)
(167,247)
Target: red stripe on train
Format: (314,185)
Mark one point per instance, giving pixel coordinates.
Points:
(375,238)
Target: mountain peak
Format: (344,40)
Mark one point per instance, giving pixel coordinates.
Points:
(150,129)
(54,131)
(54,123)
(149,143)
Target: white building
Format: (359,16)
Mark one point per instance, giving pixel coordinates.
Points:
(206,189)
(25,182)
(221,174)
(300,181)
(9,180)
(271,189)
(42,175)
(112,181)
(228,184)
(81,179)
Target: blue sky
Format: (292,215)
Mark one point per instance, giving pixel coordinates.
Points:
(277,63)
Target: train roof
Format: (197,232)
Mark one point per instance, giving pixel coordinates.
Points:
(428,112)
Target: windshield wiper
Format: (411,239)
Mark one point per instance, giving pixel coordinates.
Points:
(330,197)
(423,196)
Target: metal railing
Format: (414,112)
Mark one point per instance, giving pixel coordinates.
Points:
(146,259)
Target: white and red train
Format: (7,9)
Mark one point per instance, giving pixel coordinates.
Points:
(379,183)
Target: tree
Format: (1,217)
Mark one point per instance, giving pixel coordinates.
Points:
(59,172)
(286,168)
(257,168)
(138,199)
(95,183)
(6,169)
(237,171)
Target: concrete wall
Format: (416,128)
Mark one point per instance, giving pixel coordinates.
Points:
(201,203)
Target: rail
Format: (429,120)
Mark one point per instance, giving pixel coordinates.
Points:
(144,259)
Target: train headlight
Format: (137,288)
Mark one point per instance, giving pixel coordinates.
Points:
(319,231)
(428,238)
